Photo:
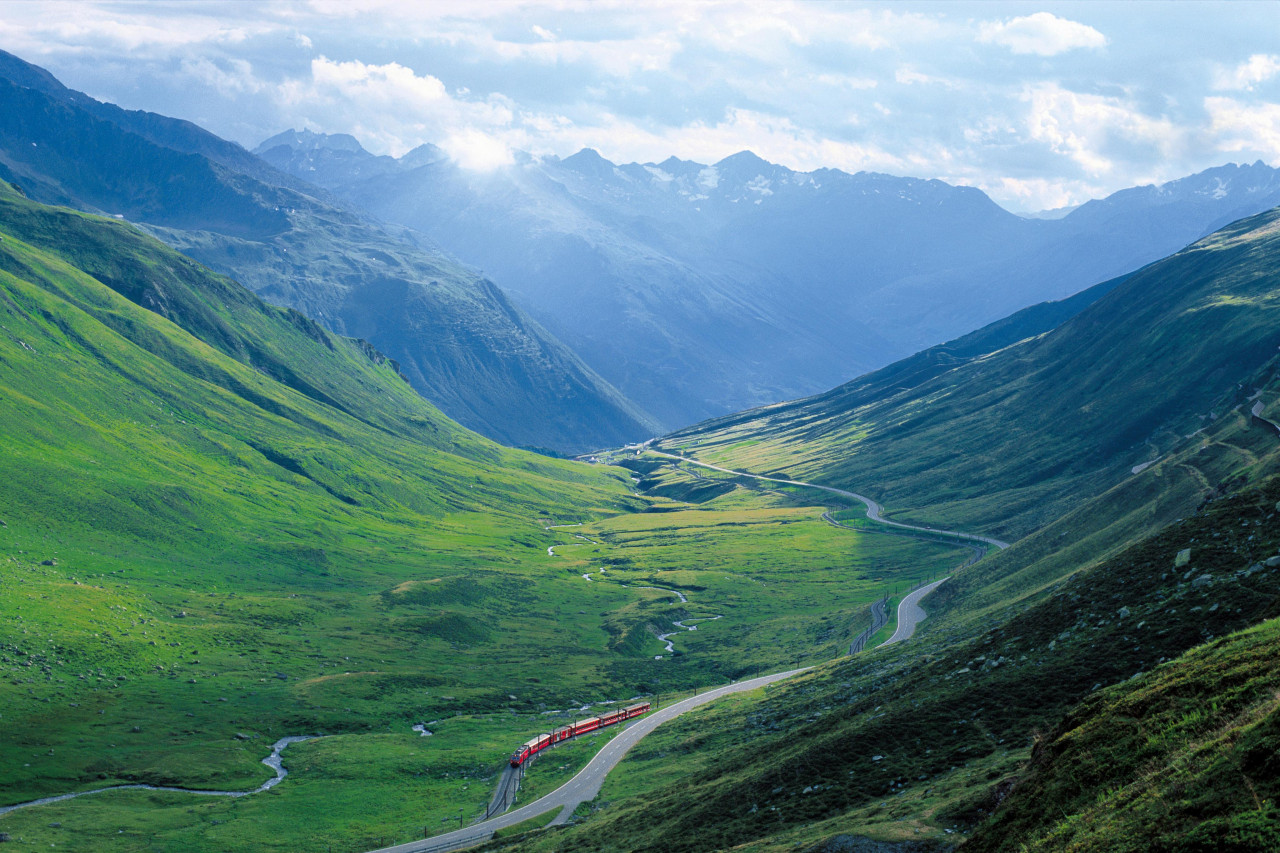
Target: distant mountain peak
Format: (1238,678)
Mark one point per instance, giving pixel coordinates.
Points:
(675,166)
(1234,189)
(308,140)
(744,161)
(424,155)
(589,163)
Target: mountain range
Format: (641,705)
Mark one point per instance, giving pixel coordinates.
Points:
(701,289)
(455,336)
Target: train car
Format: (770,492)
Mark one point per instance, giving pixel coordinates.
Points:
(612,717)
(530,749)
(636,710)
(584,726)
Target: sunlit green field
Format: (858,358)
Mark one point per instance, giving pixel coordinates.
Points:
(479,620)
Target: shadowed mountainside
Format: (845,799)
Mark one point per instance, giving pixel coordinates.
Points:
(704,289)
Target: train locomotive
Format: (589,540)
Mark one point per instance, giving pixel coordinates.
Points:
(541,742)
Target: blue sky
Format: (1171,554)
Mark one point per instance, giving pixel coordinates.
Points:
(1039,104)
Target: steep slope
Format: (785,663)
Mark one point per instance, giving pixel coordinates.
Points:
(811,277)
(1182,760)
(1121,573)
(458,339)
(1010,440)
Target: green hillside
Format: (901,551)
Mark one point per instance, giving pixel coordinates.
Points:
(222,525)
(1184,759)
(187,521)
(1119,570)
(1011,440)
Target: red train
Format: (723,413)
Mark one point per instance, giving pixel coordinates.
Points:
(541,742)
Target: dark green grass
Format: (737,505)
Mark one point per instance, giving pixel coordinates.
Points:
(1184,759)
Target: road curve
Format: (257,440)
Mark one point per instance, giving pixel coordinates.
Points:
(1256,411)
(910,614)
(584,786)
(874,510)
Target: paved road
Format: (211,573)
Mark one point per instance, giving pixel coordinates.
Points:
(583,787)
(874,510)
(910,614)
(1256,411)
(587,783)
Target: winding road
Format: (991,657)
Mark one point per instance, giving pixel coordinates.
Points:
(910,613)
(875,512)
(1256,411)
(586,785)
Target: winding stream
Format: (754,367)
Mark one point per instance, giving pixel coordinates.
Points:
(273,761)
(683,627)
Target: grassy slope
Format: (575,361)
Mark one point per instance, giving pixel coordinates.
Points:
(1184,759)
(165,477)
(1013,644)
(1010,441)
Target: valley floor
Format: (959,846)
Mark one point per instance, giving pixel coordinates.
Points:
(611,587)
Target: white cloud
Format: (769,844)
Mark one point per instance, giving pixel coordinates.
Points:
(1036,194)
(1089,128)
(1246,76)
(1043,34)
(619,57)
(377,84)
(845,81)
(910,77)
(392,109)
(1253,128)
(35,28)
(236,78)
